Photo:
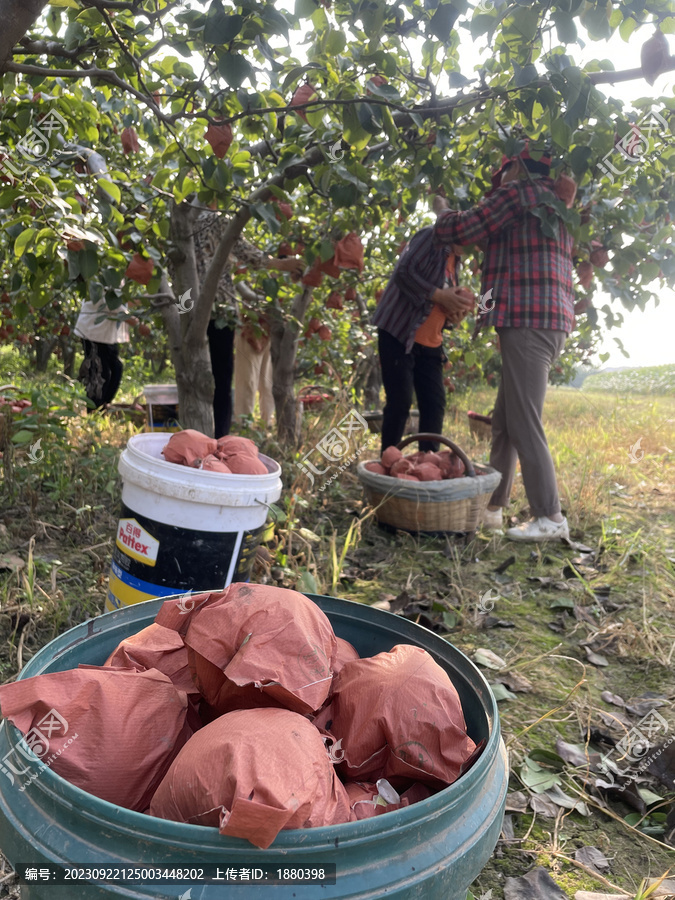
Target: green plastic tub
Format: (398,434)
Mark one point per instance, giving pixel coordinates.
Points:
(432,850)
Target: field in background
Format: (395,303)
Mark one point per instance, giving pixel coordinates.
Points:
(567,623)
(646,380)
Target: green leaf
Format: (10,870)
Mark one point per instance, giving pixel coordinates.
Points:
(305,8)
(343,195)
(537,779)
(335,43)
(306,584)
(88,261)
(221,28)
(23,436)
(234,68)
(22,242)
(369,117)
(440,24)
(8,197)
(450,619)
(561,133)
(565,27)
(579,159)
(354,132)
(525,21)
(525,74)
(627,27)
(111,189)
(456,79)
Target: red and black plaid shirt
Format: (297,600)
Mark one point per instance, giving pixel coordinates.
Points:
(530,274)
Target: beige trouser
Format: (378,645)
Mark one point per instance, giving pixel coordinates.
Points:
(517,429)
(252,375)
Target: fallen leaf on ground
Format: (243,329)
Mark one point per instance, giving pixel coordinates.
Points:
(502,693)
(543,806)
(514,681)
(517,802)
(488,659)
(560,798)
(662,764)
(577,754)
(593,858)
(537,778)
(536,885)
(508,832)
(614,699)
(11,561)
(596,658)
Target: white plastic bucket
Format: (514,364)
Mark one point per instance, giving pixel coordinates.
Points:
(162,403)
(184,529)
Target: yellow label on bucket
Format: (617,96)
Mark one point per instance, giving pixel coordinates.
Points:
(136,542)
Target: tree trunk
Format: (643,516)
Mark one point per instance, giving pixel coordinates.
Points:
(192,364)
(284,336)
(369,373)
(67,355)
(16,16)
(371,391)
(44,346)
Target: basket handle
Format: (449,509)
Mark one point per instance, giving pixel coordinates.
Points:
(312,387)
(470,471)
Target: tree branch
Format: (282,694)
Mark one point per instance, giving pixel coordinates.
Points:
(53,48)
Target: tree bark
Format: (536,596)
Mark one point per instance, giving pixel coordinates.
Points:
(67,354)
(192,364)
(16,16)
(44,347)
(284,336)
(369,374)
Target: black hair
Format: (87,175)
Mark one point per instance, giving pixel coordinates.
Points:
(536,166)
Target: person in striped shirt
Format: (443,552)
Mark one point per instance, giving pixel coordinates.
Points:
(420,298)
(531,306)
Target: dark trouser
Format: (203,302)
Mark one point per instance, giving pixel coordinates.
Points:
(221,348)
(421,369)
(517,429)
(101,371)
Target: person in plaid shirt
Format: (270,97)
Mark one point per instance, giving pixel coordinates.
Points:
(531,307)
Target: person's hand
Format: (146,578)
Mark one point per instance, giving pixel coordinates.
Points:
(440,204)
(455,300)
(456,317)
(292,264)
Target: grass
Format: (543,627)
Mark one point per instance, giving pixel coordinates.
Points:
(614,459)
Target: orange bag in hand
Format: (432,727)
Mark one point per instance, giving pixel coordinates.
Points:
(252,773)
(155,647)
(257,645)
(186,447)
(398,714)
(111,732)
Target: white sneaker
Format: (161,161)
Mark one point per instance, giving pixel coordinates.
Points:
(492,520)
(541,529)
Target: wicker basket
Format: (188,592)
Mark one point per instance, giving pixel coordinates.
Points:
(481,427)
(374,420)
(451,505)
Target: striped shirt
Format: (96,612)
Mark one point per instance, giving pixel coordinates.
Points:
(529,274)
(406,301)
